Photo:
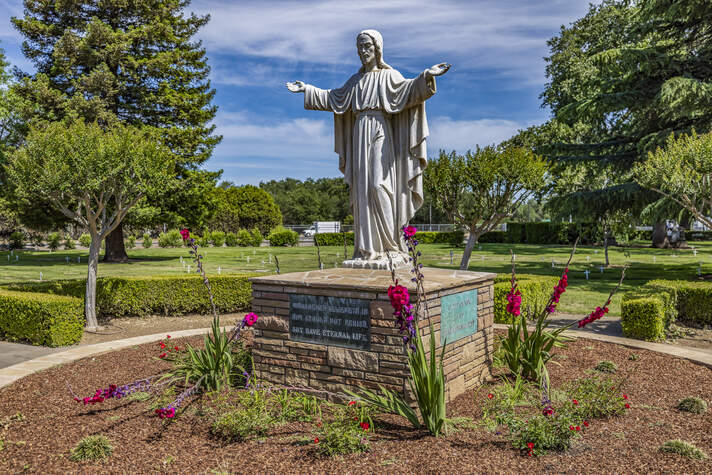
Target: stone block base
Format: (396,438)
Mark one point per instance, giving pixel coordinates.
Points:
(283,357)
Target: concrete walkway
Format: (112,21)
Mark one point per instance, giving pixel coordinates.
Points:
(43,358)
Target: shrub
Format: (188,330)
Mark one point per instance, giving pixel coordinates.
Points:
(606,366)
(17,240)
(142,296)
(69,243)
(231,239)
(170,239)
(256,237)
(546,433)
(204,240)
(217,238)
(251,418)
(291,406)
(334,239)
(694,405)
(37,239)
(131,241)
(685,449)
(535,290)
(692,300)
(85,240)
(53,241)
(283,237)
(348,432)
(453,238)
(643,317)
(41,319)
(598,396)
(147,241)
(494,236)
(244,238)
(92,447)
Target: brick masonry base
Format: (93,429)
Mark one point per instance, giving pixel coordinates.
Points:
(281,361)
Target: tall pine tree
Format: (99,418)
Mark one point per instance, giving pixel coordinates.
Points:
(133,61)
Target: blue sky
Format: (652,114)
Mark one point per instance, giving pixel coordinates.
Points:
(496,48)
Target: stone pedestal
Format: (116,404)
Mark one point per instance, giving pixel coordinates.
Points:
(334,329)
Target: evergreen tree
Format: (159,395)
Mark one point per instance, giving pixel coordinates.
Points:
(128,61)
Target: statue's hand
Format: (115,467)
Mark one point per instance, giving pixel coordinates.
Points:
(296,86)
(437,70)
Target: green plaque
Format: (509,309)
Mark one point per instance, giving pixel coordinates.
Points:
(458,316)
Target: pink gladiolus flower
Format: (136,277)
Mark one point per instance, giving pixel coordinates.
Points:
(185,234)
(399,296)
(250,319)
(593,316)
(409,231)
(514,302)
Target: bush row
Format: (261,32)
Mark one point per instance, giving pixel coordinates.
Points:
(41,319)
(453,238)
(243,238)
(545,233)
(535,289)
(650,309)
(334,239)
(142,296)
(283,237)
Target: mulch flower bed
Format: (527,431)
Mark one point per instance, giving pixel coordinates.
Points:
(53,423)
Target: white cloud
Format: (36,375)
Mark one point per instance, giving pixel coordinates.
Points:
(508,35)
(463,135)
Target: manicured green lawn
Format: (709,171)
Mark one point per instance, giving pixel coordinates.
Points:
(583,295)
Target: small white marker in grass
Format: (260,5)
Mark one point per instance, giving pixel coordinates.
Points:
(654,259)
(219,270)
(188,269)
(67,259)
(694,252)
(601,269)
(40,276)
(79,259)
(587,272)
(588,258)
(248,259)
(17,257)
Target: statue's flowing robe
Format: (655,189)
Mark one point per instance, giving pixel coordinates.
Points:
(380,132)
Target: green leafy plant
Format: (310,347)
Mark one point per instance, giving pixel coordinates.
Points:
(53,241)
(170,239)
(231,239)
(147,242)
(130,241)
(85,240)
(543,432)
(606,366)
(251,418)
(256,237)
(69,242)
(685,449)
(217,238)
(92,447)
(348,431)
(596,397)
(692,404)
(283,237)
(17,240)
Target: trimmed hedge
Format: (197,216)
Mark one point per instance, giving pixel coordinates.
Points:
(494,236)
(453,238)
(643,317)
(547,233)
(660,302)
(535,289)
(283,237)
(41,319)
(334,239)
(142,296)
(698,235)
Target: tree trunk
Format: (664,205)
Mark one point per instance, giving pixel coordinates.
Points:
(115,249)
(90,295)
(471,241)
(660,239)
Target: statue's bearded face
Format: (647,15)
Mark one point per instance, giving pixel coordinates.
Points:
(366,49)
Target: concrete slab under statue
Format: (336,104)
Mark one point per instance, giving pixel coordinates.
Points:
(334,329)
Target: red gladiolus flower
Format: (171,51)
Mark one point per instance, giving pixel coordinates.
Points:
(365,426)
(185,234)
(316,440)
(409,231)
(578,428)
(514,302)
(575,402)
(351,403)
(585,424)
(162,355)
(571,428)
(490,395)
(627,406)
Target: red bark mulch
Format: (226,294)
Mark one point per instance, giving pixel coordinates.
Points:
(53,424)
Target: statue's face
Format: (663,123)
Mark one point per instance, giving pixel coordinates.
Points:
(366,49)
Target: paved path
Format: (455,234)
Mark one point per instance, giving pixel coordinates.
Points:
(38,358)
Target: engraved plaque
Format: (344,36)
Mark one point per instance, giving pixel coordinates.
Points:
(458,316)
(337,321)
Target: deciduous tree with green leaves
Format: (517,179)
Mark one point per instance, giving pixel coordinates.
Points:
(129,61)
(481,188)
(682,172)
(92,176)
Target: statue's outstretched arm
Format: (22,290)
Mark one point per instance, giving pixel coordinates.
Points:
(437,70)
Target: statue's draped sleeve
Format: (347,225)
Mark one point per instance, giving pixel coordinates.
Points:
(404,102)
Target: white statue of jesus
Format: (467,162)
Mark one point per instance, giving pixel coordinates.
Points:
(380,129)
